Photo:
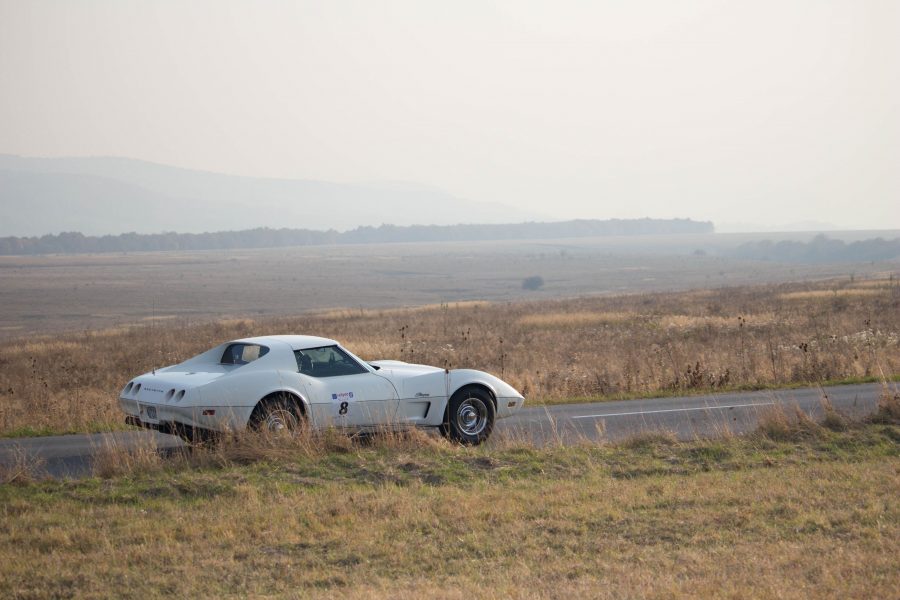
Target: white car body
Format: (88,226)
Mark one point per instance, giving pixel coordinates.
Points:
(207,392)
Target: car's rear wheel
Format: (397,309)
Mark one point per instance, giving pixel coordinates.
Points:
(278,414)
(470,416)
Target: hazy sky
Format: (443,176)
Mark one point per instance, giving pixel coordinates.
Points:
(755,112)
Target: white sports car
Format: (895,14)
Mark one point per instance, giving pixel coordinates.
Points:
(286,381)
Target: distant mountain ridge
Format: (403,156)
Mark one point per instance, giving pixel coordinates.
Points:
(74,243)
(104,195)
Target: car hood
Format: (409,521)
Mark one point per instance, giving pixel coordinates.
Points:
(413,381)
(399,368)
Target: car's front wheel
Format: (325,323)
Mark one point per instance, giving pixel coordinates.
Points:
(470,416)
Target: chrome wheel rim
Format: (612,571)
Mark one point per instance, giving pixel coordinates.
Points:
(280,420)
(472,416)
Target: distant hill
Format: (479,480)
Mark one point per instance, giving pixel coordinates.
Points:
(99,196)
(73,242)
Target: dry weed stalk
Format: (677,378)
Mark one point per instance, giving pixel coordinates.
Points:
(115,458)
(888,408)
(23,469)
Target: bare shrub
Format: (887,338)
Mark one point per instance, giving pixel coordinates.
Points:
(833,419)
(777,424)
(535,282)
(888,409)
(405,439)
(114,458)
(23,469)
(774,424)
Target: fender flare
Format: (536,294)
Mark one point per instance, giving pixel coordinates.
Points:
(301,402)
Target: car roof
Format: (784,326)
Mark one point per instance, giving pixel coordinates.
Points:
(296,342)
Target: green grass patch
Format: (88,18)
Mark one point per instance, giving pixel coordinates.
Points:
(98,427)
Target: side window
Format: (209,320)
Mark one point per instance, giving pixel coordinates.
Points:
(241,354)
(328,361)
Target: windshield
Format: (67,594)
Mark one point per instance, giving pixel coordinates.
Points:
(327,361)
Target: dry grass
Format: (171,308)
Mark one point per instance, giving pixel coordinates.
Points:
(720,322)
(586,348)
(113,459)
(23,469)
(575,319)
(345,313)
(855,292)
(411,516)
(42,346)
(646,439)
(879,283)
(776,423)
(888,409)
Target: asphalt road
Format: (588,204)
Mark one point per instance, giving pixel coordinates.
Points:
(685,417)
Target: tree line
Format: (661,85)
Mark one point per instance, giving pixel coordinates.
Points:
(820,249)
(78,243)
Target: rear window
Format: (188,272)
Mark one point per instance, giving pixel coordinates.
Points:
(327,361)
(241,354)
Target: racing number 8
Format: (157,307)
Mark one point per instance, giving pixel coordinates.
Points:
(344,407)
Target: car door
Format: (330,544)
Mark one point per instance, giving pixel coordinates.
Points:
(344,393)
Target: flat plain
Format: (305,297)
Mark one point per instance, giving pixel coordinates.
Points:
(50,294)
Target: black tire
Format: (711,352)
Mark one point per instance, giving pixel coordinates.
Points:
(277,414)
(470,415)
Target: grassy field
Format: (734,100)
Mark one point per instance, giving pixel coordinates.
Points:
(593,348)
(797,510)
(49,294)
